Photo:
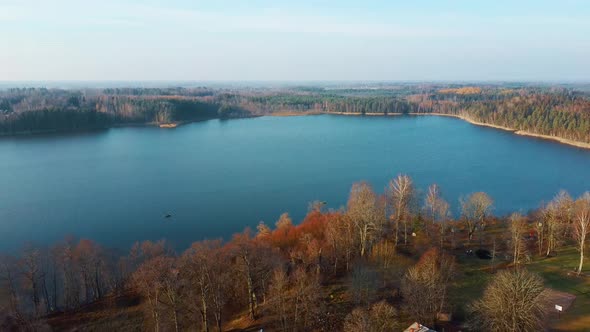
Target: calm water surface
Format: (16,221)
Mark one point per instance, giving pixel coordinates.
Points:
(217,177)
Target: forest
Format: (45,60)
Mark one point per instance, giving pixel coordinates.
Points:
(380,263)
(554,110)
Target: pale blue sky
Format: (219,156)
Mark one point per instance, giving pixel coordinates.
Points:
(294,40)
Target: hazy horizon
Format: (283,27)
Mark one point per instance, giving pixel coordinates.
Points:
(292,42)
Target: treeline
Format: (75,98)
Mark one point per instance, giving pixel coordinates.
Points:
(560,114)
(329,103)
(378,264)
(44,110)
(555,111)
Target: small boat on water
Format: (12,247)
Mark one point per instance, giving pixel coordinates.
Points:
(167,215)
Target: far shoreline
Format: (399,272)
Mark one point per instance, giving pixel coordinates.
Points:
(561,140)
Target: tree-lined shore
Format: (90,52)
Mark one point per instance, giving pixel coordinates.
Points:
(380,263)
(560,112)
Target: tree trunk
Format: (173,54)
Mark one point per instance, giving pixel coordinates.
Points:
(251,295)
(204,311)
(581,255)
(405,233)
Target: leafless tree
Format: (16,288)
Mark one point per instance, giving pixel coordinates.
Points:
(425,285)
(517,229)
(306,298)
(8,278)
(513,301)
(280,302)
(437,209)
(557,217)
(31,270)
(475,209)
(363,284)
(366,214)
(383,254)
(581,224)
(381,317)
(208,277)
(401,194)
(154,281)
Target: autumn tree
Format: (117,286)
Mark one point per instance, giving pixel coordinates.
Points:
(279,297)
(512,301)
(155,281)
(204,268)
(366,214)
(425,285)
(401,194)
(295,298)
(340,234)
(581,224)
(253,266)
(475,208)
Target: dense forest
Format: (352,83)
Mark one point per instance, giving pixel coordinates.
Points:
(381,263)
(560,111)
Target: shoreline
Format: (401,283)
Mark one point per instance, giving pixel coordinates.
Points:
(518,132)
(172,125)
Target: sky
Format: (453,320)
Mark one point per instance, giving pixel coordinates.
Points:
(303,40)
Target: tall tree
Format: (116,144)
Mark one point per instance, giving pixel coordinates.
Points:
(517,230)
(425,285)
(366,214)
(475,208)
(557,216)
(437,209)
(581,224)
(402,193)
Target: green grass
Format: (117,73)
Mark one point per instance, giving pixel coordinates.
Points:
(474,274)
(555,271)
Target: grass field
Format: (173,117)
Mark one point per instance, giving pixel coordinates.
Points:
(557,272)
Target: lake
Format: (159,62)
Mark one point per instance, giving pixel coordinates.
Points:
(217,177)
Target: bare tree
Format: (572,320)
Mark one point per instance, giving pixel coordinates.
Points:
(381,317)
(401,193)
(280,302)
(254,262)
(557,216)
(437,209)
(8,268)
(513,301)
(366,215)
(152,281)
(475,209)
(306,298)
(517,230)
(203,266)
(363,284)
(581,224)
(425,285)
(31,270)
(383,254)
(340,233)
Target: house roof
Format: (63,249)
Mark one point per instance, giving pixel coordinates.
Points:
(417,327)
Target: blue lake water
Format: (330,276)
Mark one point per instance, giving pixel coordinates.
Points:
(217,177)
